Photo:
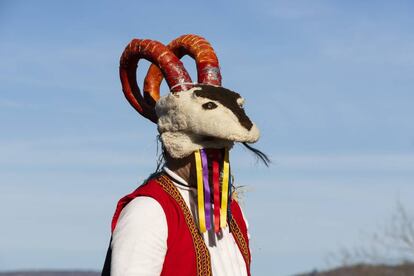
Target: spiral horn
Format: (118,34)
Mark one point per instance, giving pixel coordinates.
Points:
(160,56)
(208,70)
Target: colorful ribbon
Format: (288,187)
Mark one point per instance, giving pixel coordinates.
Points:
(216,189)
(224,189)
(207,194)
(200,192)
(221,212)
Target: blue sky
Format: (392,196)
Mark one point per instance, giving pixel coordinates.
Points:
(328,83)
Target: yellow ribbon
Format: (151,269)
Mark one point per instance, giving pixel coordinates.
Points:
(225,190)
(200,192)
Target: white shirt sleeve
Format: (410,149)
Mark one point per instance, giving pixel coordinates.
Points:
(139,241)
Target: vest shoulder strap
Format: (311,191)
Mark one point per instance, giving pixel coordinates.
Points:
(238,228)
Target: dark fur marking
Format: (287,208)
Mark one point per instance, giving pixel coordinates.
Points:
(227,98)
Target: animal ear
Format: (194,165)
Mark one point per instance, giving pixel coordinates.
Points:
(240,101)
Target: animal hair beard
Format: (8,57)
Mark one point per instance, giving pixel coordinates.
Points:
(180,145)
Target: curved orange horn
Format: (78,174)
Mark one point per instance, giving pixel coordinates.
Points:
(198,48)
(157,53)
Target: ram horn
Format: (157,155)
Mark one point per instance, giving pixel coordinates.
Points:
(159,55)
(208,69)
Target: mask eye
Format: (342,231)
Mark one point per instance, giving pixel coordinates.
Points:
(209,105)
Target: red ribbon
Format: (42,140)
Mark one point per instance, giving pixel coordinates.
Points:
(216,188)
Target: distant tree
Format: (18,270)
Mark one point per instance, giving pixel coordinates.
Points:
(392,244)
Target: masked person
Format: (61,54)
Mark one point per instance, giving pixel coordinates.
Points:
(184,220)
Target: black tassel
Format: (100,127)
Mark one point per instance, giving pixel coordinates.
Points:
(262,156)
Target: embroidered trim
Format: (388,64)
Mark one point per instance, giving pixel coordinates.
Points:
(240,240)
(202,255)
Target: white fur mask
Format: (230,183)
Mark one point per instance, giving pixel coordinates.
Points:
(203,117)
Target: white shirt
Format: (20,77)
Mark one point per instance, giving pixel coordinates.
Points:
(139,241)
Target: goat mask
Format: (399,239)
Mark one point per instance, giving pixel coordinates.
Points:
(191,116)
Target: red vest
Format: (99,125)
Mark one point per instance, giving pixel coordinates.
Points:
(187,253)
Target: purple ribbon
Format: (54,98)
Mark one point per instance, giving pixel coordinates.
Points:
(207,195)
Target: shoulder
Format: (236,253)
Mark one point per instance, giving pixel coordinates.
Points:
(139,214)
(149,189)
(238,208)
(239,217)
(142,206)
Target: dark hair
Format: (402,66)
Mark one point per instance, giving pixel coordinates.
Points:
(161,154)
(160,159)
(259,154)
